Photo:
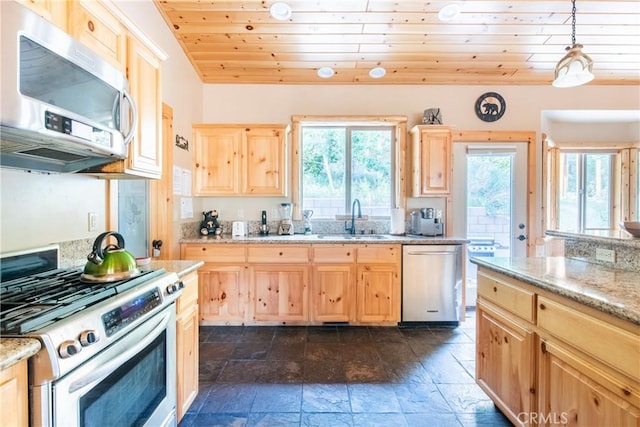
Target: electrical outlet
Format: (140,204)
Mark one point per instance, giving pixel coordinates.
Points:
(605,255)
(93,221)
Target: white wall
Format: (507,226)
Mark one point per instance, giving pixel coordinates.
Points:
(38,209)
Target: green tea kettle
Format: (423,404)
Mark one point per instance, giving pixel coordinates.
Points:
(111,263)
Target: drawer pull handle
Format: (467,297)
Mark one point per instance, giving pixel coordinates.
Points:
(280,253)
(495,289)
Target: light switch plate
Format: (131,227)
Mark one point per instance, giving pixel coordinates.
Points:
(606,255)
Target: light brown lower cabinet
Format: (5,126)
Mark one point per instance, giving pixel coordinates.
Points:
(298,284)
(574,391)
(187,357)
(546,360)
(14,395)
(505,361)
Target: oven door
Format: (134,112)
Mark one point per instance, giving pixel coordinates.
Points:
(131,383)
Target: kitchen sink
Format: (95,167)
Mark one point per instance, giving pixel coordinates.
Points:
(353,236)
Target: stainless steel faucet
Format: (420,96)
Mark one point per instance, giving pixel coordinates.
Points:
(352,229)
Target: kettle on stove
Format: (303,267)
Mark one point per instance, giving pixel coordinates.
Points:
(110,263)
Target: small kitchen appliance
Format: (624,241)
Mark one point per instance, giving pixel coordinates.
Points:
(239,229)
(100,341)
(286,225)
(307,214)
(427,222)
(264,228)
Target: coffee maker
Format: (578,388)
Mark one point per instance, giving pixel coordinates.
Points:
(286,225)
(428,222)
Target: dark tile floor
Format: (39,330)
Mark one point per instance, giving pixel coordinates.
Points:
(340,376)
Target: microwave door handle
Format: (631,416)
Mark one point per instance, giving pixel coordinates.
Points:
(134,117)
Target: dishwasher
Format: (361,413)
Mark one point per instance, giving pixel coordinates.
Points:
(431,284)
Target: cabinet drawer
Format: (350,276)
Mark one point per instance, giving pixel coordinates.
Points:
(604,341)
(323,254)
(378,254)
(512,298)
(189,295)
(278,254)
(214,253)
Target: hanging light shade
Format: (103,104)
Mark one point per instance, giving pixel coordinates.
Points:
(576,67)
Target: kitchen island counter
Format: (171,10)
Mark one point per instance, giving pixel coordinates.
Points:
(328,239)
(612,291)
(14,350)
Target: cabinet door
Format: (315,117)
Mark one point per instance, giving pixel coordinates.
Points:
(279,292)
(54,11)
(432,161)
(378,293)
(95,26)
(223,294)
(217,160)
(145,150)
(505,363)
(13,395)
(569,395)
(264,162)
(187,359)
(331,293)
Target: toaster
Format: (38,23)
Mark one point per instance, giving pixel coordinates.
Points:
(239,229)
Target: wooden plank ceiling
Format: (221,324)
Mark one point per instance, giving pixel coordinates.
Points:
(491,42)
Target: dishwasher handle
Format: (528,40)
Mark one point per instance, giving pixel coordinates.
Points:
(430,253)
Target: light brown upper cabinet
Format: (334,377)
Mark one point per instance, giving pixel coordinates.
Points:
(430,160)
(95,26)
(104,32)
(240,160)
(54,11)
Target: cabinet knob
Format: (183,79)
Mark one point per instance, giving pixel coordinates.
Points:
(543,347)
(91,26)
(542,306)
(495,289)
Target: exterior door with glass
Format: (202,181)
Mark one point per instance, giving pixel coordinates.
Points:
(490,182)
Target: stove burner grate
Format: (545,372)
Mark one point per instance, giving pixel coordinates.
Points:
(29,303)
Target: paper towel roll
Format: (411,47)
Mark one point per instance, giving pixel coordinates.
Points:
(397,221)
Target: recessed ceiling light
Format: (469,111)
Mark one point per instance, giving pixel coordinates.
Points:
(378,72)
(326,72)
(280,11)
(449,12)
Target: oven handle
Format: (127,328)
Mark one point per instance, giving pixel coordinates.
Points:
(100,373)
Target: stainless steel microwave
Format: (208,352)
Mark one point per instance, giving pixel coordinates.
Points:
(64,108)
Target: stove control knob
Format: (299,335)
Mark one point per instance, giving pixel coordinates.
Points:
(174,287)
(89,337)
(69,348)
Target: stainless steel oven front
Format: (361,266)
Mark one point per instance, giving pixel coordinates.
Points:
(130,383)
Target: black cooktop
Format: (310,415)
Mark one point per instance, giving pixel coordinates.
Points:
(32,302)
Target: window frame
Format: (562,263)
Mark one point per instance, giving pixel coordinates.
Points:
(349,129)
(399,123)
(624,180)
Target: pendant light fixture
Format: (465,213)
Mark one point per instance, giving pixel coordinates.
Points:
(576,68)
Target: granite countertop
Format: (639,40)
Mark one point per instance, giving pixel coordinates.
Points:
(13,350)
(182,268)
(612,291)
(619,237)
(328,238)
